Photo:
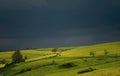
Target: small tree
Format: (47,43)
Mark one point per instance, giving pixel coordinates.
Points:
(53,62)
(92,53)
(25,57)
(106,52)
(54,50)
(17,57)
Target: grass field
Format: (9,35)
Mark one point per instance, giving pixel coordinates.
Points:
(71,61)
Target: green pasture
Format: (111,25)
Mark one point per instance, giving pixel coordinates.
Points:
(43,62)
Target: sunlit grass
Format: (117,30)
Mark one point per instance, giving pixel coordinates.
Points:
(40,61)
(2,65)
(31,54)
(114,71)
(112,48)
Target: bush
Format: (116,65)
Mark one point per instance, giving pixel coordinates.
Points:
(92,53)
(86,70)
(100,58)
(28,69)
(68,65)
(22,71)
(53,62)
(106,52)
(25,57)
(9,64)
(54,50)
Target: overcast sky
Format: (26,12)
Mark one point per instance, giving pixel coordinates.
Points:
(58,23)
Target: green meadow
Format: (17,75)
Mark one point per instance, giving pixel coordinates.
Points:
(71,61)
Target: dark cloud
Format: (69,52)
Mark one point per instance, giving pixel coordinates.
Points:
(17,4)
(55,23)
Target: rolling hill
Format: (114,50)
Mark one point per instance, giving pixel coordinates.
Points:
(72,61)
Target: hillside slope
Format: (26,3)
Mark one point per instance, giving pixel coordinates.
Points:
(42,62)
(112,48)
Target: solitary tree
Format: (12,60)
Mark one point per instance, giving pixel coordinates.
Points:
(54,50)
(53,62)
(92,53)
(17,57)
(25,57)
(106,52)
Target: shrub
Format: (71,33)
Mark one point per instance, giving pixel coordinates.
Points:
(25,57)
(9,64)
(22,71)
(85,60)
(92,53)
(54,50)
(86,70)
(53,62)
(100,58)
(28,69)
(68,65)
(106,52)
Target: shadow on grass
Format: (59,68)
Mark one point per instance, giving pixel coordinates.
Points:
(86,70)
(68,65)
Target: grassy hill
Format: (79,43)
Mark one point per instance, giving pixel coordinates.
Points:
(73,61)
(113,48)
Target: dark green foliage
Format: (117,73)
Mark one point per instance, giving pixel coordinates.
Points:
(58,54)
(17,57)
(28,69)
(24,70)
(25,57)
(106,52)
(53,62)
(54,50)
(86,70)
(9,65)
(100,58)
(68,65)
(92,53)
(3,61)
(85,60)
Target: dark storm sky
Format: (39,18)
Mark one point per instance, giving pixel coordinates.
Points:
(58,23)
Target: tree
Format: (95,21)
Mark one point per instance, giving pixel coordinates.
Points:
(92,53)
(106,52)
(25,57)
(54,50)
(53,62)
(17,57)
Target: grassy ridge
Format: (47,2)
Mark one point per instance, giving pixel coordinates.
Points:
(30,53)
(110,69)
(40,61)
(112,48)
